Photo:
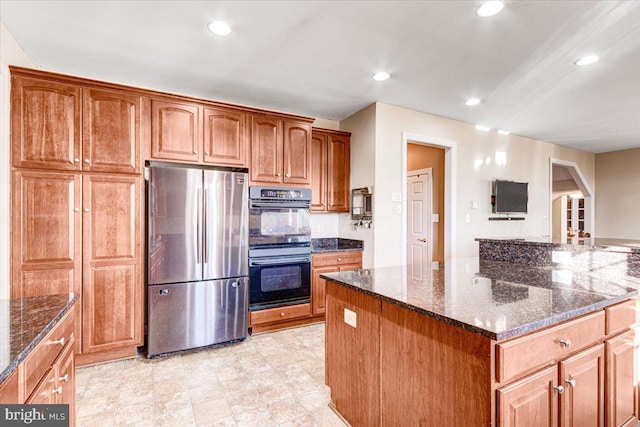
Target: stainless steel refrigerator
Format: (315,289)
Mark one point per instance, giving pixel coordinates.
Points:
(197,230)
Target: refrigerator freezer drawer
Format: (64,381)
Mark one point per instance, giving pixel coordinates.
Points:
(189,315)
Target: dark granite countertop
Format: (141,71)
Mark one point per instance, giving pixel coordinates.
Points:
(335,244)
(572,243)
(23,324)
(494,299)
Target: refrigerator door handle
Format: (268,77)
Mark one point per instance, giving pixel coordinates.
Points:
(198,229)
(205,239)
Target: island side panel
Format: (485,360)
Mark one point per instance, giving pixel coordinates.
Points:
(443,374)
(353,355)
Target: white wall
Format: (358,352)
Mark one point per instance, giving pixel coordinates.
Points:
(618,199)
(10,54)
(526,160)
(362,126)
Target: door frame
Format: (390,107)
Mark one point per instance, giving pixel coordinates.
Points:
(583,186)
(428,217)
(450,173)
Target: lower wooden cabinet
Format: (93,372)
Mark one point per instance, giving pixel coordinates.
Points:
(329,263)
(622,369)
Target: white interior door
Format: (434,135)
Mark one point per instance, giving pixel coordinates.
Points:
(419,225)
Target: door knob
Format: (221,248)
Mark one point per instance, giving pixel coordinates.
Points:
(422,240)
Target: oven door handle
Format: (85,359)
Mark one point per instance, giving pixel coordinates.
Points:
(279,261)
(280,205)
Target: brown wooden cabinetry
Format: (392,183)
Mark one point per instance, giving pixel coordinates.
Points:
(330,171)
(111,131)
(45,233)
(175,130)
(622,369)
(45,124)
(280,151)
(329,263)
(225,139)
(112,233)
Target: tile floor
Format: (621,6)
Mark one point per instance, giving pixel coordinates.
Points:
(274,379)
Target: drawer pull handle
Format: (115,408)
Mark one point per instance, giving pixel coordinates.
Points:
(206,153)
(559,389)
(65,378)
(87,160)
(339,259)
(76,160)
(60,341)
(195,152)
(281,314)
(571,382)
(57,390)
(566,343)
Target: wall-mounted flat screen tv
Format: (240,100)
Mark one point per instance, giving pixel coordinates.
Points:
(510,196)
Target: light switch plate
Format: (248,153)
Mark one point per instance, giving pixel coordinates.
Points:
(350,317)
(435,217)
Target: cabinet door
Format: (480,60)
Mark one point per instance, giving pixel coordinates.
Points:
(175,131)
(621,399)
(45,124)
(297,153)
(64,370)
(582,376)
(225,141)
(44,392)
(318,172)
(338,173)
(531,401)
(266,149)
(112,285)
(111,131)
(45,233)
(318,288)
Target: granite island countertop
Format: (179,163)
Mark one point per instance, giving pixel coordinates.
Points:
(494,299)
(573,243)
(23,324)
(335,244)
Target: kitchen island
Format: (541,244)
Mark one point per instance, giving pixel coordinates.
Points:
(481,343)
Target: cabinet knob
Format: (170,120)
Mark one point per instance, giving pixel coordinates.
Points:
(61,341)
(559,389)
(282,314)
(86,209)
(57,390)
(206,153)
(278,174)
(65,378)
(566,343)
(87,160)
(286,175)
(571,382)
(330,204)
(339,259)
(195,152)
(76,160)
(76,209)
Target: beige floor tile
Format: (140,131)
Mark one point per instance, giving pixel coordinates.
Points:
(212,411)
(134,414)
(286,410)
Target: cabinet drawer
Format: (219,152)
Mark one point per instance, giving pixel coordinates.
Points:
(9,389)
(278,314)
(43,394)
(541,348)
(620,317)
(43,356)
(336,258)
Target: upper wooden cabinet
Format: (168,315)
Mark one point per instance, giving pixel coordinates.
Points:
(225,139)
(175,130)
(280,151)
(45,233)
(330,171)
(45,124)
(111,131)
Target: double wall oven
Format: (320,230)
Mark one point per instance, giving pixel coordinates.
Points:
(279,246)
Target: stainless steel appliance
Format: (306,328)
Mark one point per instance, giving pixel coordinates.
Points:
(197,290)
(279,246)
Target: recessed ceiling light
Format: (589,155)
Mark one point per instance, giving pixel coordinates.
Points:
(504,132)
(381,76)
(489,8)
(472,101)
(587,60)
(483,127)
(220,28)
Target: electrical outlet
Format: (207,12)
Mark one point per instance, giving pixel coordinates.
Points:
(350,317)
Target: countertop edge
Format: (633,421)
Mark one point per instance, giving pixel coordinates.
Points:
(332,250)
(13,365)
(495,336)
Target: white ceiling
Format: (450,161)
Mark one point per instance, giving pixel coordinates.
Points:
(316,58)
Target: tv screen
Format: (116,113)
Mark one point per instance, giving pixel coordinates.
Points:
(510,196)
